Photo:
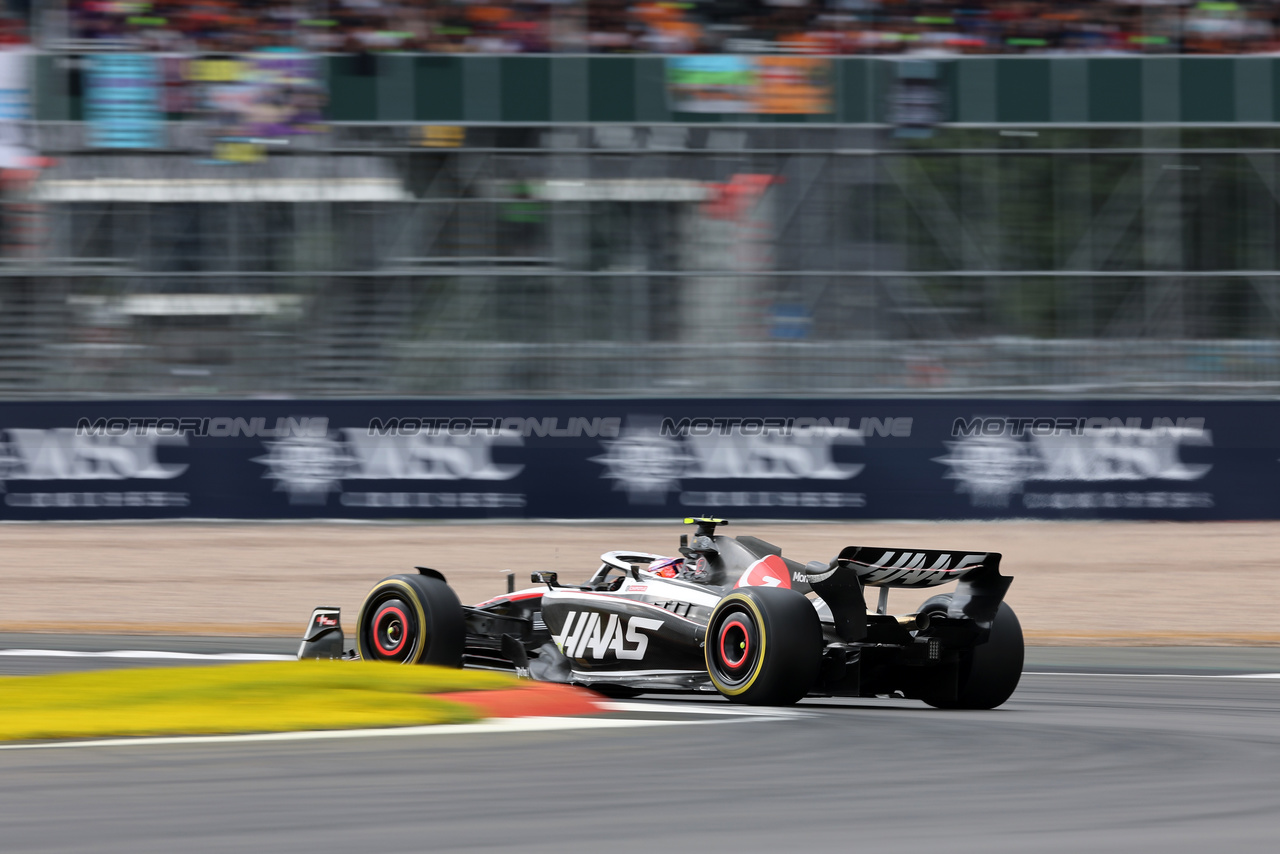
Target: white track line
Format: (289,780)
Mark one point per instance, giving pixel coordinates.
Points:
(1156,675)
(496,726)
(144,654)
(703,709)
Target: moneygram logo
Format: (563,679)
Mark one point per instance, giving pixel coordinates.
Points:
(994,458)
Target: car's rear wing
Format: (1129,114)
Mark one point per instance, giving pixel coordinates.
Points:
(878,567)
(979,590)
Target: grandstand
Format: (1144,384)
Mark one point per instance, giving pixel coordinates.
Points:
(828,27)
(768,222)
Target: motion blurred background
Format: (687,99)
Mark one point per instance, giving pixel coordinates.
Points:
(356,197)
(1005,260)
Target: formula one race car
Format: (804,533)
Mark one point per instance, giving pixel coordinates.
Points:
(730,615)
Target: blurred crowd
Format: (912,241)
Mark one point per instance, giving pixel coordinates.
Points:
(688,26)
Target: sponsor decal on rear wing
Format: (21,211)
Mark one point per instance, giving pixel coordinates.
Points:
(878,567)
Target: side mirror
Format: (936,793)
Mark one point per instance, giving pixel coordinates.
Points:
(548,578)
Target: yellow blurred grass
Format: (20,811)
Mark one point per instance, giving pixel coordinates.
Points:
(235,698)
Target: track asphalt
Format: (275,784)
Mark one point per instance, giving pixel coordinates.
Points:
(1157,749)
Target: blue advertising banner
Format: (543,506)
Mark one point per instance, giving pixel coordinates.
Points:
(15,109)
(778,459)
(122,105)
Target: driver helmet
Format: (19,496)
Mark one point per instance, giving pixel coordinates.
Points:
(667,567)
(696,570)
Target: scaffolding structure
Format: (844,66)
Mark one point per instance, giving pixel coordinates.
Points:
(562,259)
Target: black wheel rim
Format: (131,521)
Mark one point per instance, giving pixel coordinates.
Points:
(735,640)
(392,633)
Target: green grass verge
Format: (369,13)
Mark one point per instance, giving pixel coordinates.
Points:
(266,697)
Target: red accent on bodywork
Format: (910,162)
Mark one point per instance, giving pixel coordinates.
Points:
(765,570)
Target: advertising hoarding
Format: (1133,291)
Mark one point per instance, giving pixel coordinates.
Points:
(651,458)
(763,85)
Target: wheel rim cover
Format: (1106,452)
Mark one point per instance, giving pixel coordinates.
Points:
(392,631)
(737,647)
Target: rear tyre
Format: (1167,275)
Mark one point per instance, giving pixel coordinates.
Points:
(764,646)
(989,672)
(411,619)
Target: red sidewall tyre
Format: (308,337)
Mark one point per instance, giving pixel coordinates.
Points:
(764,646)
(412,619)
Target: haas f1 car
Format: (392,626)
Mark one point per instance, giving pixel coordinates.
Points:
(729,615)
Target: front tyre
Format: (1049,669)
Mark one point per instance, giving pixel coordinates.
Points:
(411,619)
(764,646)
(989,672)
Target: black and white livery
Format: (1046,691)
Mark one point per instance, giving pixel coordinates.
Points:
(729,615)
